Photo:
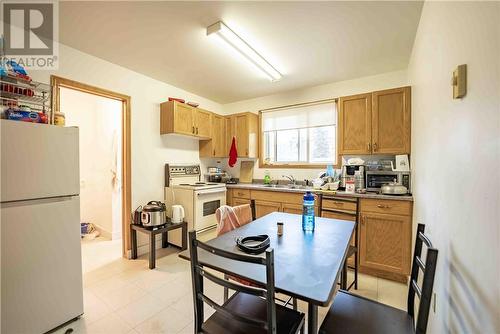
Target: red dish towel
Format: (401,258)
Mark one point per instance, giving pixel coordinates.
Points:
(233,154)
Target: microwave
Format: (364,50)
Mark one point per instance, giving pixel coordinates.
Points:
(375,179)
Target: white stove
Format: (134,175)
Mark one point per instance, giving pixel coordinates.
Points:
(199,199)
(198,185)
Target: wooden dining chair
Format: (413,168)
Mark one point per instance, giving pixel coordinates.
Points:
(354,314)
(251,309)
(353,251)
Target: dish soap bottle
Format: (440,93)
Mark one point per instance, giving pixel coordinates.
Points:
(267,178)
(308,212)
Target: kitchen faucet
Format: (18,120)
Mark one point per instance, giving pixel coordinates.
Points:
(290,177)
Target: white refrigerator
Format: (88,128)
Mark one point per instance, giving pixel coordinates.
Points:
(41,268)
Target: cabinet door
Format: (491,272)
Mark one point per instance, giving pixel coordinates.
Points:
(385,242)
(240,201)
(203,125)
(263,208)
(229,129)
(292,208)
(218,136)
(391,121)
(241,127)
(183,119)
(355,124)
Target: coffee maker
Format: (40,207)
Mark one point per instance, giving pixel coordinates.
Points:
(348,172)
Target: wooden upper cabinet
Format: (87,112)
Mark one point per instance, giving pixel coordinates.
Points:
(215,147)
(182,119)
(203,123)
(244,127)
(177,118)
(391,124)
(375,123)
(355,124)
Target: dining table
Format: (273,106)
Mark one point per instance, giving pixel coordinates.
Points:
(307,263)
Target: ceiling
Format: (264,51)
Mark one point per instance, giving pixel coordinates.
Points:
(310,43)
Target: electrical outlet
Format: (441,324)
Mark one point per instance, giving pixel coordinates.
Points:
(434,297)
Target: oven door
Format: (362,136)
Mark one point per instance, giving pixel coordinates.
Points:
(206,202)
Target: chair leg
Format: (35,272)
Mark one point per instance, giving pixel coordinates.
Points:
(356,271)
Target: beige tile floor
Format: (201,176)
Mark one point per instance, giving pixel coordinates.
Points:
(124,296)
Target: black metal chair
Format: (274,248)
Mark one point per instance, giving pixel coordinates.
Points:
(250,309)
(353,314)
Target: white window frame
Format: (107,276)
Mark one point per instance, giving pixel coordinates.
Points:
(301,164)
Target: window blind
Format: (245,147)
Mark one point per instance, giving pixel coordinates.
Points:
(319,114)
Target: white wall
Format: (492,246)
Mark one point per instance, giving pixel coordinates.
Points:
(150,151)
(99,120)
(455,157)
(322,92)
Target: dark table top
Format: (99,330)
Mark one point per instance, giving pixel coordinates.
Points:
(307,264)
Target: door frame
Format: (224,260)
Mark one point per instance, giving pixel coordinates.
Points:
(58,82)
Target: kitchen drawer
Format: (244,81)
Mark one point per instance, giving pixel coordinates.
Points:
(337,215)
(241,193)
(278,196)
(336,204)
(386,206)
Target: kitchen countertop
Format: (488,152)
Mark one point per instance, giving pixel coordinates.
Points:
(255,186)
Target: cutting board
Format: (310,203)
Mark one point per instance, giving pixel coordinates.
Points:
(246,171)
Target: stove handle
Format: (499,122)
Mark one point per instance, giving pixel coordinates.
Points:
(207,192)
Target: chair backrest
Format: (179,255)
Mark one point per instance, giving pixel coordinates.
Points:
(230,218)
(428,269)
(198,273)
(252,207)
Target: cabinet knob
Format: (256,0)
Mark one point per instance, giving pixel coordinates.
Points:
(192,131)
(375,146)
(338,203)
(369,146)
(381,206)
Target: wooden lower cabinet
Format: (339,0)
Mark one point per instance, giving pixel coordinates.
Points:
(240,201)
(292,208)
(385,245)
(263,208)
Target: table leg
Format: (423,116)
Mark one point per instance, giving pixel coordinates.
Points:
(184,236)
(312,319)
(164,240)
(133,242)
(152,251)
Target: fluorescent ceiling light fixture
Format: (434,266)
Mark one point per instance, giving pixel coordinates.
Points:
(230,37)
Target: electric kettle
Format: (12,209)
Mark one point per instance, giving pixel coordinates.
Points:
(177,214)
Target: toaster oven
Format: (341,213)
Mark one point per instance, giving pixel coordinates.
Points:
(375,179)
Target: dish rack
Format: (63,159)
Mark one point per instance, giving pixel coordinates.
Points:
(17,92)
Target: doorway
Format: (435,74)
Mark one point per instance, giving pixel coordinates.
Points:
(105,174)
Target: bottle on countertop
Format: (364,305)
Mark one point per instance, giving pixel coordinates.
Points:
(267,178)
(308,212)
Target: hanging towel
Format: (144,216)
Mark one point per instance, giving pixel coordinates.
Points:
(233,153)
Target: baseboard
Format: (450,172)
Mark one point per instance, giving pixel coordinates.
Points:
(103,232)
